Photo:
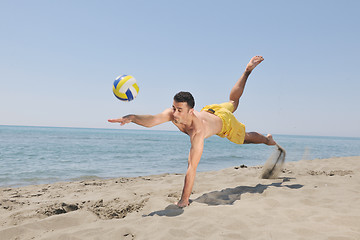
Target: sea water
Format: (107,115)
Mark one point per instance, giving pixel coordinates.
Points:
(41,155)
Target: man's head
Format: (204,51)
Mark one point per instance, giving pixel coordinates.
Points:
(185,97)
(183,107)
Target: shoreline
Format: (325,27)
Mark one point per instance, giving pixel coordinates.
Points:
(310,198)
(96,178)
(92,178)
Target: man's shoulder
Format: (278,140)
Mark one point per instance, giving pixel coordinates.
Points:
(167,113)
(203,114)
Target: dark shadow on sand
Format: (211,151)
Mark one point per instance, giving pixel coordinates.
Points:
(224,197)
(170,211)
(229,195)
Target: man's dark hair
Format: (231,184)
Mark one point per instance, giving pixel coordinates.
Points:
(185,97)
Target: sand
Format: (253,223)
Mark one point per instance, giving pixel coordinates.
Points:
(312,199)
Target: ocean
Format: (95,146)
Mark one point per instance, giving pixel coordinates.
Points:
(42,155)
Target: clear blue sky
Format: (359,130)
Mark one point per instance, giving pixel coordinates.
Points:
(58,60)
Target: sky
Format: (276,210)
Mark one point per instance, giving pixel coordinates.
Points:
(58,61)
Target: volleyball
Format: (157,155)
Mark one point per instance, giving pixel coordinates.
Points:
(125,88)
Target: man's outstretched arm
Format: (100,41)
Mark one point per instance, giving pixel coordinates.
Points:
(197,146)
(145,120)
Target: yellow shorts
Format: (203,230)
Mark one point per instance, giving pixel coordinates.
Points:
(232,129)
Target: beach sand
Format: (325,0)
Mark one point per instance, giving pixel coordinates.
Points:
(311,199)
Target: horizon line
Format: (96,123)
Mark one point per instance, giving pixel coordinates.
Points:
(164,130)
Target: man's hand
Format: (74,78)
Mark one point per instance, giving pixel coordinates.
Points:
(182,203)
(122,121)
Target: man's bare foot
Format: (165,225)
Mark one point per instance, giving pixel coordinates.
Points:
(271,141)
(254,62)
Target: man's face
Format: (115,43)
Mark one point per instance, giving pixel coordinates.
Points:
(181,112)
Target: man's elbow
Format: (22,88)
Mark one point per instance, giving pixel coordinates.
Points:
(154,122)
(191,169)
(151,124)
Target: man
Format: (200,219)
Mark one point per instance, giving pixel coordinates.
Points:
(213,119)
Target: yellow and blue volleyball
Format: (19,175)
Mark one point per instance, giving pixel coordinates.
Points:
(125,88)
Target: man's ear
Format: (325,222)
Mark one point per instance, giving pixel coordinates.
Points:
(191,111)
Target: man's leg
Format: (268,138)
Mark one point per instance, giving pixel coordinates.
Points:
(239,86)
(235,94)
(254,137)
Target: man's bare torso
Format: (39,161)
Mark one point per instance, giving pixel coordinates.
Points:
(205,122)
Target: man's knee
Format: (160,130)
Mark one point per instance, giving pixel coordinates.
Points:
(235,104)
(247,138)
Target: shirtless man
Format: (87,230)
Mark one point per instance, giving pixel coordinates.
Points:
(213,119)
